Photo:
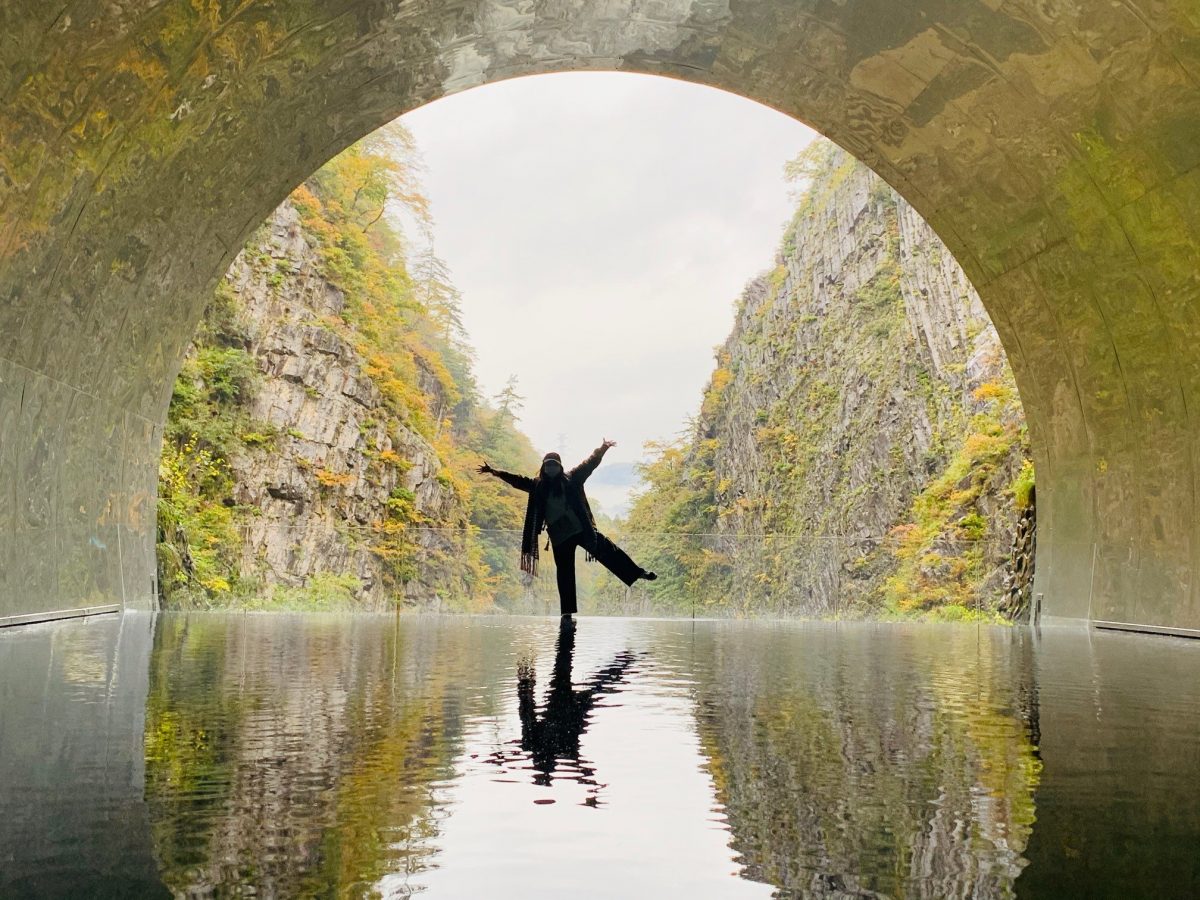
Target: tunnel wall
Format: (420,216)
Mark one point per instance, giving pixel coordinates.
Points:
(73,739)
(1054,147)
(77,512)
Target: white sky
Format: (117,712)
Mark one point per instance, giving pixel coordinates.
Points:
(600,227)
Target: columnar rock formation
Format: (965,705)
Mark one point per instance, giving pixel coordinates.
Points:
(858,444)
(323,455)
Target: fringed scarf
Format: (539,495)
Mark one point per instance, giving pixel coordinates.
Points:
(535,518)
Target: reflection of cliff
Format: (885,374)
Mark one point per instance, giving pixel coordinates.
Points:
(840,782)
(279,758)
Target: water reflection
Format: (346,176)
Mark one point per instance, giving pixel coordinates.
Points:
(898,763)
(593,787)
(295,756)
(549,741)
(376,757)
(72,703)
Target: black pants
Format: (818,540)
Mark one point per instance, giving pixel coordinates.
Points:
(607,554)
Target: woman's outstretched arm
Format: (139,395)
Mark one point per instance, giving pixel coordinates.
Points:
(580,473)
(520,482)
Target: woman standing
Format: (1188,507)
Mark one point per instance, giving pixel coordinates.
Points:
(558,504)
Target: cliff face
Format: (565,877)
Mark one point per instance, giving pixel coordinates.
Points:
(322,434)
(337,459)
(319,457)
(860,373)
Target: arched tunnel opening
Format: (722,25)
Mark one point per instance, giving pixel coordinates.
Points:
(858,448)
(1052,151)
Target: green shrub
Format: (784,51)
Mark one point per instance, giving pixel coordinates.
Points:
(972,526)
(1022,486)
(228,372)
(324,591)
(258,438)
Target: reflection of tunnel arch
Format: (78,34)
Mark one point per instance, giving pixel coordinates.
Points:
(1055,147)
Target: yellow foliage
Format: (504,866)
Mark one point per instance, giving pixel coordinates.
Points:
(334,479)
(305,201)
(992,390)
(406,342)
(981,445)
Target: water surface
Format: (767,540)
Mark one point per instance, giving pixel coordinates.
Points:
(286,756)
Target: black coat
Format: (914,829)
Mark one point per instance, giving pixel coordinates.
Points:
(535,509)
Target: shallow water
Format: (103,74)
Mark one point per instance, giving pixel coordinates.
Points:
(287,756)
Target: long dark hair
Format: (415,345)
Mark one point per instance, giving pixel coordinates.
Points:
(535,512)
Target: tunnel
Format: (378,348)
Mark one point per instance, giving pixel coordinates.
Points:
(1054,145)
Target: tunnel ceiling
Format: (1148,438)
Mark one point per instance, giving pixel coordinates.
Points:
(1053,144)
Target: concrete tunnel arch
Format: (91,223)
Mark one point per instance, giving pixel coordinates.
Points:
(1054,145)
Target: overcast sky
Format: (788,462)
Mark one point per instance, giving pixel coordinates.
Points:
(600,227)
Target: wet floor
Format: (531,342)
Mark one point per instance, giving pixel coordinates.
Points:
(292,756)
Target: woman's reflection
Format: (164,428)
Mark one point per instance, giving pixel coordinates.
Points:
(551,739)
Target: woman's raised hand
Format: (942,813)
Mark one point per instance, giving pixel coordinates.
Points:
(606,443)
(484,469)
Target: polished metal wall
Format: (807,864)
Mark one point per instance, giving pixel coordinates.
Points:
(1055,148)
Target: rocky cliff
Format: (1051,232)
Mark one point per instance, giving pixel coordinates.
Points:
(337,459)
(860,446)
(322,432)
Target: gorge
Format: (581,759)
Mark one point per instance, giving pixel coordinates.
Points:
(860,449)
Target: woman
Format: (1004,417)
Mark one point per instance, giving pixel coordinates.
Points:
(558,504)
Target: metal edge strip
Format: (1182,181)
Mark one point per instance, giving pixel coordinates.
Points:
(32,618)
(1193,633)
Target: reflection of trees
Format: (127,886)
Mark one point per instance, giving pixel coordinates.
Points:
(281,755)
(298,757)
(900,767)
